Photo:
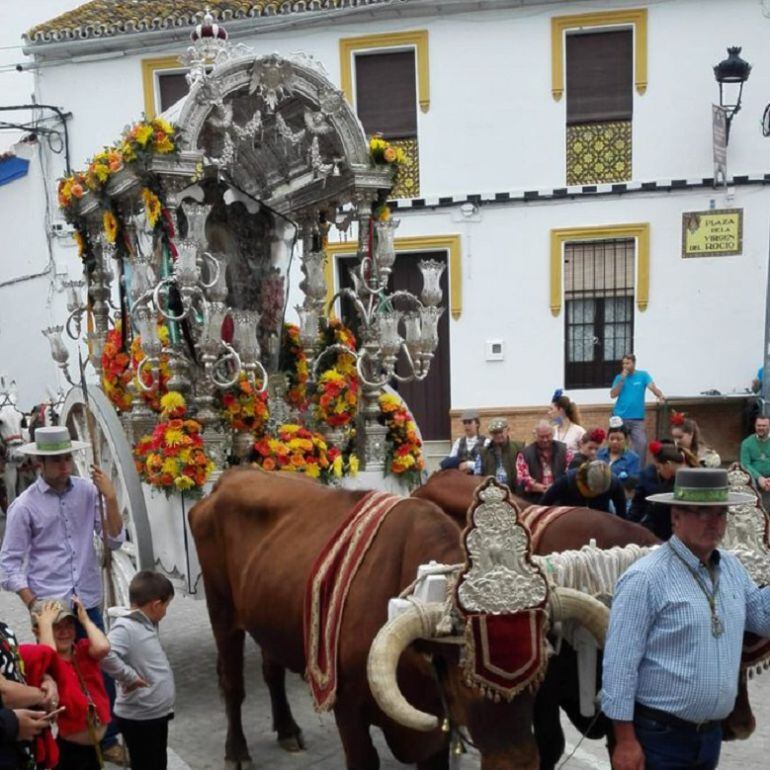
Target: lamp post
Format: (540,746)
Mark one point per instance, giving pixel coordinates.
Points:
(731,73)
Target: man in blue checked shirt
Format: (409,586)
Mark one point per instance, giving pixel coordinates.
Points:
(673,647)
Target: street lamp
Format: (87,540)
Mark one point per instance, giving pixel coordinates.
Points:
(731,72)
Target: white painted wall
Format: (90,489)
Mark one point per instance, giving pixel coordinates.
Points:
(493,126)
(30,282)
(17,87)
(703,327)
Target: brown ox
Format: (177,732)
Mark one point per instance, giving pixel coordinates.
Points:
(257,536)
(453,491)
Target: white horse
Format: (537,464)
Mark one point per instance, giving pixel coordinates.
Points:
(13,435)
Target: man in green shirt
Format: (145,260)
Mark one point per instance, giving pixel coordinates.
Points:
(755,456)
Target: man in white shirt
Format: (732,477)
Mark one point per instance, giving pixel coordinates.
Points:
(465,449)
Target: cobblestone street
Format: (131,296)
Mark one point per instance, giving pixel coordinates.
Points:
(197,734)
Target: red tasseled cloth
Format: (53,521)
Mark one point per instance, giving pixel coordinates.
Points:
(40,659)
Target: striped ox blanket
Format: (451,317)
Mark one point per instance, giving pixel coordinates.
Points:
(327,589)
(537,519)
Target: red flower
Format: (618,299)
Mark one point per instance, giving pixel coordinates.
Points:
(597,435)
(676,419)
(655,448)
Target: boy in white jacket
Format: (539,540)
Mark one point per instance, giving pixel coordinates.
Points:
(145,700)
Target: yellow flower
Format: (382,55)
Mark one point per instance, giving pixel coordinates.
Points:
(184,455)
(289,428)
(127,151)
(353,465)
(164,146)
(337,466)
(163,125)
(312,470)
(172,401)
(170,466)
(183,482)
(143,134)
(174,437)
(101,172)
(152,206)
(163,334)
(110,225)
(80,241)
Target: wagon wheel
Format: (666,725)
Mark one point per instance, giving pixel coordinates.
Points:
(117,462)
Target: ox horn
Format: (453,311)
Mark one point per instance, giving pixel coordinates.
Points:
(393,638)
(569,604)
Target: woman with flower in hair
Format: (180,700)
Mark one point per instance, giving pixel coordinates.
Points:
(657,478)
(588,446)
(686,434)
(564,415)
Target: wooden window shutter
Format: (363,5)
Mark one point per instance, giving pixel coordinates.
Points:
(600,76)
(386,97)
(172,86)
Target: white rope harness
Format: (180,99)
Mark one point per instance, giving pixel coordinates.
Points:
(591,570)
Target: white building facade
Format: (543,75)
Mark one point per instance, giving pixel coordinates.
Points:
(552,167)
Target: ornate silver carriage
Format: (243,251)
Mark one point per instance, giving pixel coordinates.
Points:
(187,228)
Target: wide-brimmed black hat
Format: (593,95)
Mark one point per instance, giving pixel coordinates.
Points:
(702,486)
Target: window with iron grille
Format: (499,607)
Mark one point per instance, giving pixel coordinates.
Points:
(386,103)
(599,305)
(599,68)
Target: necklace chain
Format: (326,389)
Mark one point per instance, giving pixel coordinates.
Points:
(717,627)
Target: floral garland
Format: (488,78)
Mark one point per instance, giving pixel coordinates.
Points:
(116,370)
(295,449)
(101,167)
(138,144)
(383,152)
(153,206)
(147,138)
(294,363)
(71,188)
(173,458)
(336,396)
(244,408)
(404,446)
(343,463)
(110,225)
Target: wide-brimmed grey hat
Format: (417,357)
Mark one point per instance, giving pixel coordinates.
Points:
(468,415)
(498,424)
(702,486)
(62,605)
(55,440)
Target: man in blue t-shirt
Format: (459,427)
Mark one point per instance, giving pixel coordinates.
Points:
(629,388)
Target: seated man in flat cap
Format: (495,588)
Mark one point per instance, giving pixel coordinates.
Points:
(498,458)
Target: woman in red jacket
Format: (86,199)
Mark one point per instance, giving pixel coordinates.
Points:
(81,686)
